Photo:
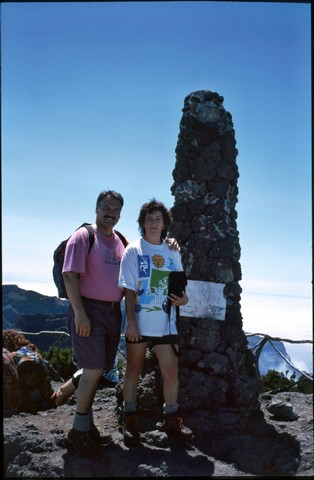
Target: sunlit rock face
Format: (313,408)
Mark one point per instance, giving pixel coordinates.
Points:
(205,191)
(216,367)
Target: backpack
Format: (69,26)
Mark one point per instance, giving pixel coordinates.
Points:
(58,258)
(36,392)
(11,384)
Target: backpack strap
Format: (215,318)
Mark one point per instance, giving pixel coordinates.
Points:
(176,283)
(176,352)
(122,238)
(91,234)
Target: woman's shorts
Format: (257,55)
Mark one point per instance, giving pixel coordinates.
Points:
(165,340)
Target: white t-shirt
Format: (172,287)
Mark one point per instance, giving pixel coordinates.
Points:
(145,269)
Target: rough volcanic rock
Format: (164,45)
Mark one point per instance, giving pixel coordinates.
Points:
(217,371)
(35,446)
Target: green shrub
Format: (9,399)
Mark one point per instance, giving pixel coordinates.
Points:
(304,385)
(61,359)
(274,380)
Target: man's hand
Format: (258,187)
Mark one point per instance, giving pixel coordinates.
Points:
(172,243)
(82,324)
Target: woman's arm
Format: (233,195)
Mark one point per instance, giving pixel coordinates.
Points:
(132,332)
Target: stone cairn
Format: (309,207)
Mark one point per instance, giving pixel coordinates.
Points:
(219,387)
(218,382)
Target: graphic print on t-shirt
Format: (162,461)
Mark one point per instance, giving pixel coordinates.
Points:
(154,282)
(158,261)
(111,257)
(143,266)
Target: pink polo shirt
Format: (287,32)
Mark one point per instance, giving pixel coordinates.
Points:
(98,269)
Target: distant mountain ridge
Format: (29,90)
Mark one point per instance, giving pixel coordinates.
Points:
(269,358)
(16,301)
(30,311)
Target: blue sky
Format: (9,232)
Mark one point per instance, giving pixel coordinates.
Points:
(92,97)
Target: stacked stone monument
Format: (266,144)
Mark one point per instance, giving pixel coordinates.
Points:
(218,383)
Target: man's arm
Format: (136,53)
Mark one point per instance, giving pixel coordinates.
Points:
(172,244)
(72,285)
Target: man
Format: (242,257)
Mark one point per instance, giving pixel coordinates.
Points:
(94,315)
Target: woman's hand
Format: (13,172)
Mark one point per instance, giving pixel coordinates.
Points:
(179,301)
(132,332)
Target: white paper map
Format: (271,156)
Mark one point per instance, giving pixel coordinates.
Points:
(206,300)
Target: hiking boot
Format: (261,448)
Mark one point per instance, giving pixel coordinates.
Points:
(173,425)
(130,429)
(82,443)
(97,437)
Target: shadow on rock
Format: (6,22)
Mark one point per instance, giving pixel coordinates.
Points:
(157,456)
(260,450)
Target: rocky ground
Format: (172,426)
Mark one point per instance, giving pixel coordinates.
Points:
(281,444)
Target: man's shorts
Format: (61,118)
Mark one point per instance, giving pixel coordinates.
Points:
(100,348)
(165,340)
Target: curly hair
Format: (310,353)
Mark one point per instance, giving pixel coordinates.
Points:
(13,340)
(149,207)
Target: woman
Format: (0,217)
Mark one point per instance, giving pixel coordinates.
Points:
(144,273)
